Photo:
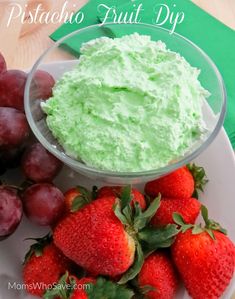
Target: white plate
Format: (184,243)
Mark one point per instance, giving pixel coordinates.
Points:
(219,163)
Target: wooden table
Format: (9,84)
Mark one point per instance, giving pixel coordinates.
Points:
(22,44)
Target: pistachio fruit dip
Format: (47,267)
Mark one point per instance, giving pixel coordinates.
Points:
(129,105)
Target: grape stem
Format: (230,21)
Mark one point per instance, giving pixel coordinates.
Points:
(18,188)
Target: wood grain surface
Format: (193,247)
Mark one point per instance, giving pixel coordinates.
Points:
(23,44)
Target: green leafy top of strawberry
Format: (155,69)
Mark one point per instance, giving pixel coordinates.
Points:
(209,227)
(108,289)
(199,176)
(81,200)
(141,291)
(63,289)
(136,223)
(100,289)
(37,248)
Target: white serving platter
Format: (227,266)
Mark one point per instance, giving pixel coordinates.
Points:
(219,196)
(219,163)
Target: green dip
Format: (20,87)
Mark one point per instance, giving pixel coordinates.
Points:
(130,104)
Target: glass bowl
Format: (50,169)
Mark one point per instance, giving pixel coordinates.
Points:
(213,110)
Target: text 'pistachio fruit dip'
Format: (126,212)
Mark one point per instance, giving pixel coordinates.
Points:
(130,104)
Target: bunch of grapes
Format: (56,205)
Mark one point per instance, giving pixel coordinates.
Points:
(42,202)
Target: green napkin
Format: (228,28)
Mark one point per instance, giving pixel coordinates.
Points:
(216,39)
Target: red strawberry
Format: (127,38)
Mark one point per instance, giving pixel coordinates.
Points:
(107,191)
(44,266)
(158,272)
(178,184)
(182,183)
(188,208)
(103,236)
(204,257)
(69,197)
(95,239)
(80,291)
(79,294)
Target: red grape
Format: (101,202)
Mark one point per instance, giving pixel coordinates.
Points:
(39,165)
(41,86)
(43,204)
(12,84)
(3,66)
(14,128)
(10,212)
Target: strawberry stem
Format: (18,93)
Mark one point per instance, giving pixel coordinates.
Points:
(200,178)
(84,198)
(136,267)
(108,289)
(61,290)
(37,248)
(136,223)
(126,196)
(94,192)
(210,225)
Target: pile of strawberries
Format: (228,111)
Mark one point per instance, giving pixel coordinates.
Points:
(116,243)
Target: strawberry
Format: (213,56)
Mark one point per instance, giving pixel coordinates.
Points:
(158,273)
(106,236)
(117,190)
(75,198)
(182,183)
(78,294)
(82,285)
(70,287)
(204,257)
(44,265)
(189,208)
(69,197)
(80,235)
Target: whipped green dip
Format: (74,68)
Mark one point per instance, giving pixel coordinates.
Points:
(130,104)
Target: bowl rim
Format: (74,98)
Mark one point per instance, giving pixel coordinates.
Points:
(75,164)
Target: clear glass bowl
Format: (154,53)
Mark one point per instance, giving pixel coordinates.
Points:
(213,110)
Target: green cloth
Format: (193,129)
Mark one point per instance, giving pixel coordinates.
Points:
(216,39)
